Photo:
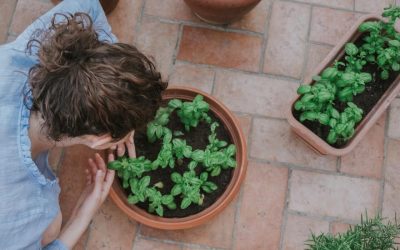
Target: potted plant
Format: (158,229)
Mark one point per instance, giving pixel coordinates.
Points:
(191,160)
(352,87)
(369,234)
(221,11)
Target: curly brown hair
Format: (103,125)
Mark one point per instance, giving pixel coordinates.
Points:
(84,86)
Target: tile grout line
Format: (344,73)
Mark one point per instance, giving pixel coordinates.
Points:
(137,236)
(311,170)
(307,46)
(265,38)
(326,7)
(205,26)
(213,82)
(138,25)
(354,5)
(239,203)
(60,161)
(285,210)
(383,170)
(8,32)
(236,218)
(325,218)
(179,243)
(339,164)
(176,49)
(262,74)
(89,232)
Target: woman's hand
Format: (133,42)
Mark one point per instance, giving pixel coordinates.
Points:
(98,184)
(127,145)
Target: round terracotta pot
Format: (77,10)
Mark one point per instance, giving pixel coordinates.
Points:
(221,11)
(229,121)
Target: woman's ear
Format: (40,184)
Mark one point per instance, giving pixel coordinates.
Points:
(98,142)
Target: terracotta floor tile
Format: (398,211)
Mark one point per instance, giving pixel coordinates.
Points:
(171,9)
(375,6)
(158,40)
(298,230)
(391,200)
(124,18)
(394,119)
(215,233)
(72,181)
(196,76)
(273,140)
(256,19)
(111,229)
(367,158)
(333,195)
(316,54)
(26,12)
(339,227)
(287,38)
(225,49)
(269,96)
(7,8)
(329,26)
(261,210)
(345,4)
(245,123)
(148,244)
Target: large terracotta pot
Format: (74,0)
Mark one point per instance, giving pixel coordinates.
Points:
(221,11)
(229,121)
(368,121)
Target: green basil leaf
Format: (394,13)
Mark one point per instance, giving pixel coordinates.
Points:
(160,210)
(133,199)
(176,177)
(351,49)
(394,43)
(332,137)
(175,103)
(114,165)
(176,190)
(166,199)
(216,171)
(185,203)
(304,89)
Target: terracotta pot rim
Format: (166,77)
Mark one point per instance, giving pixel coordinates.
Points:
(231,190)
(320,145)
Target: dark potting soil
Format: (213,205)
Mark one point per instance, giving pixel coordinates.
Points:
(198,139)
(366,100)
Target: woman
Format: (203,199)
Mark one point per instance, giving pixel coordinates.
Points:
(75,86)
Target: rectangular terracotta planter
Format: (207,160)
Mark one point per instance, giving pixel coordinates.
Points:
(368,121)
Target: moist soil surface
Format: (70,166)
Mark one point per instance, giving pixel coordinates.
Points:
(198,139)
(366,100)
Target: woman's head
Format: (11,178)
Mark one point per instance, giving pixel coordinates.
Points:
(84,86)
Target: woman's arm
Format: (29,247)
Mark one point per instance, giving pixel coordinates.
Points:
(91,7)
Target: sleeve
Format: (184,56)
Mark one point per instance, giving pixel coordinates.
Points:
(91,7)
(56,245)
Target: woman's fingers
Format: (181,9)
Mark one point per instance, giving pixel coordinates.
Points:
(120,149)
(92,168)
(108,183)
(100,163)
(98,184)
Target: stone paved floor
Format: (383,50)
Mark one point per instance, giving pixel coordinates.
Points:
(253,66)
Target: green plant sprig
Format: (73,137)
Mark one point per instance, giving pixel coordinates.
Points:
(371,233)
(191,113)
(188,186)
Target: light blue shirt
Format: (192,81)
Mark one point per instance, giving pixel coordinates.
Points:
(29,191)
